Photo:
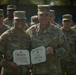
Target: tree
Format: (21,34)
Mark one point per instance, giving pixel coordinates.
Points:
(68,2)
(19,2)
(3,2)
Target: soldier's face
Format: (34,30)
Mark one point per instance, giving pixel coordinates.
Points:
(52,19)
(10,13)
(19,24)
(44,18)
(67,23)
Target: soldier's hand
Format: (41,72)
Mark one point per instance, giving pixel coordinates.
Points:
(49,50)
(13,65)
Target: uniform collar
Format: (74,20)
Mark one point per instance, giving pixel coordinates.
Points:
(47,29)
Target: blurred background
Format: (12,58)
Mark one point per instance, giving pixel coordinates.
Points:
(30,6)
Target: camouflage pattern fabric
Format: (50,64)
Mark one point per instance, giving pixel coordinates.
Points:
(4,28)
(13,40)
(69,63)
(11,7)
(8,22)
(56,24)
(20,70)
(34,20)
(49,37)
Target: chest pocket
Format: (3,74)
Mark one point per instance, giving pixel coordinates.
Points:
(51,39)
(44,39)
(13,43)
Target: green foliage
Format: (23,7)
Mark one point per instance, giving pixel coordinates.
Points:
(3,2)
(20,2)
(37,2)
(68,2)
(61,2)
(65,2)
(24,1)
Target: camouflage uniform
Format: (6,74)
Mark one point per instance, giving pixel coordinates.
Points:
(56,24)
(7,20)
(34,20)
(52,14)
(48,37)
(3,28)
(12,40)
(69,63)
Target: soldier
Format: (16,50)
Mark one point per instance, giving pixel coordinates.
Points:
(52,18)
(52,38)
(34,20)
(69,63)
(9,19)
(14,39)
(3,28)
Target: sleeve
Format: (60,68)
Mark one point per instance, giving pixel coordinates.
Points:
(3,44)
(63,46)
